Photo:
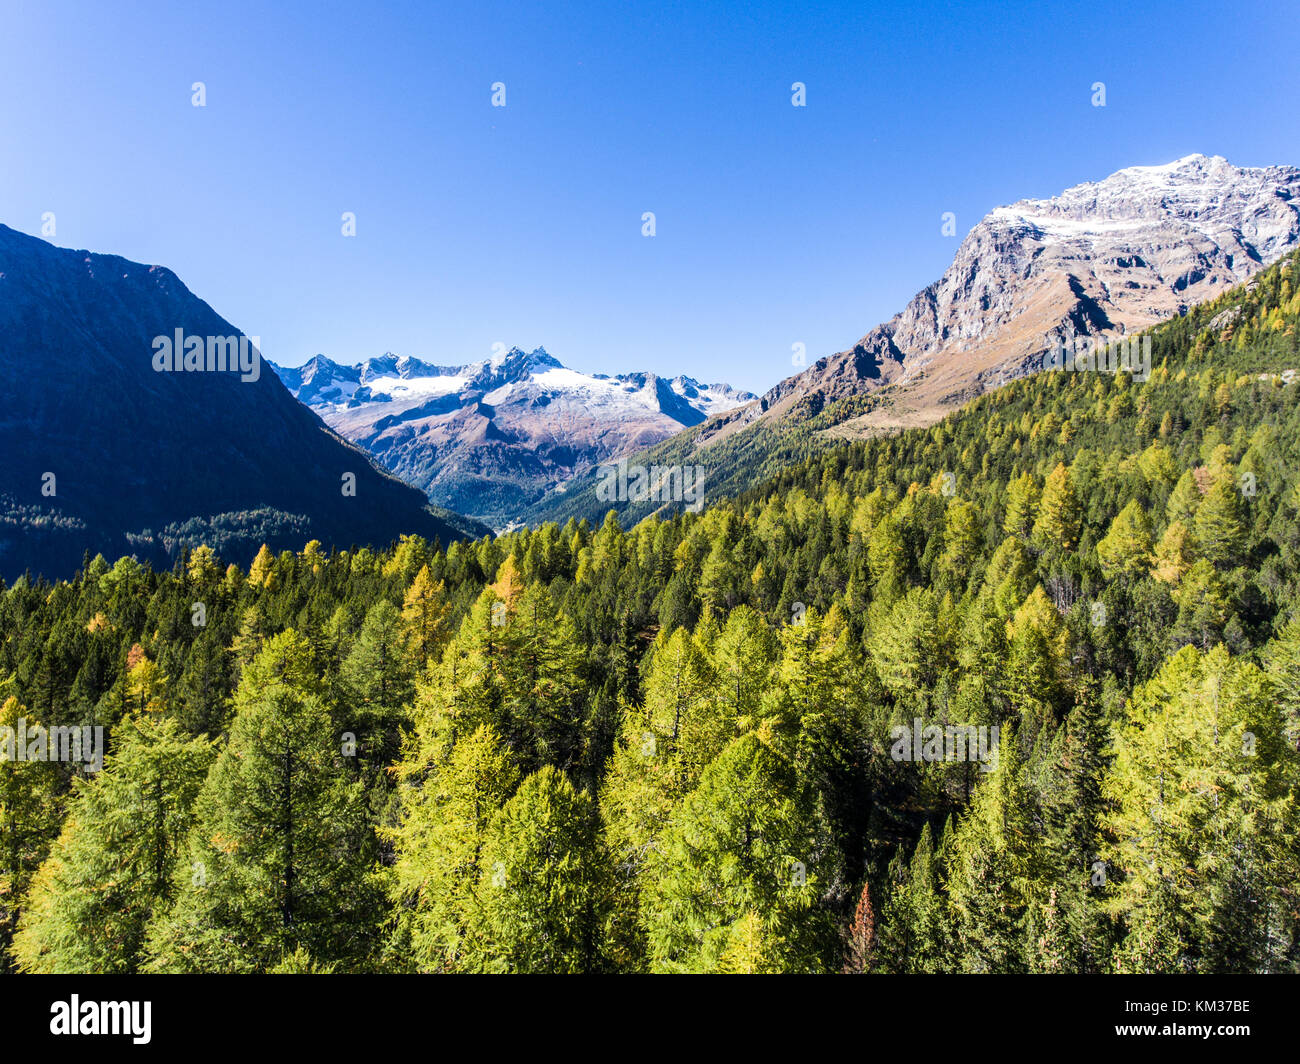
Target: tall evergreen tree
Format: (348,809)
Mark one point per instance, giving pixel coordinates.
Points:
(28,818)
(747,841)
(447,810)
(543,887)
(115,864)
(281,854)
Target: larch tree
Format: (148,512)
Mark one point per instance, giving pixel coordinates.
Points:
(447,809)
(281,853)
(115,864)
(543,887)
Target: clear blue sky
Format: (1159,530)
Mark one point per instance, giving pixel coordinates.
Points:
(522,224)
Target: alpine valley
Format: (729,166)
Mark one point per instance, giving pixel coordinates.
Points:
(518,438)
(1017,691)
(971,647)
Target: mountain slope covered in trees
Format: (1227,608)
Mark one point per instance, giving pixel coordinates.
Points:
(671,747)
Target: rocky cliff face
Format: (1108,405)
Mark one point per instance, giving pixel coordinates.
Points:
(1101,259)
(492,437)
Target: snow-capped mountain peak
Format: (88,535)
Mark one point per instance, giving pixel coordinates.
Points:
(1102,259)
(1205,196)
(538,358)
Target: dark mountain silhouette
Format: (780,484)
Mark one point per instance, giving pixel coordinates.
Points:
(102,452)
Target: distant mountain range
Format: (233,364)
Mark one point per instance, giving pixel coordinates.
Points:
(493,437)
(104,452)
(1103,259)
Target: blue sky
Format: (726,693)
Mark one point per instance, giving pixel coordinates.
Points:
(522,225)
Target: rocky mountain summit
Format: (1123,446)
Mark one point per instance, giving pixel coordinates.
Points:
(1102,259)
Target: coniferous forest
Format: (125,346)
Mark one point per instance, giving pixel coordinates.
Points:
(673,747)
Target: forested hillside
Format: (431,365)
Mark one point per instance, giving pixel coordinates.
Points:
(669,748)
